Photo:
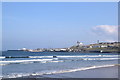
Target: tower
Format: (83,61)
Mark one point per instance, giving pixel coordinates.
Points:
(79,43)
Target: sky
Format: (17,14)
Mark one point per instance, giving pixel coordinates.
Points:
(57,24)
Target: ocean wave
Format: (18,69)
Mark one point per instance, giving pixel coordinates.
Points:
(58,56)
(91,56)
(2,63)
(47,59)
(74,56)
(18,61)
(100,58)
(16,75)
(2,57)
(40,56)
(50,60)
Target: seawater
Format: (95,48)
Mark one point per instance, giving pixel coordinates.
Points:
(21,63)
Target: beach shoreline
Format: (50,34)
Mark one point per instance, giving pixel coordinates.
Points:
(102,72)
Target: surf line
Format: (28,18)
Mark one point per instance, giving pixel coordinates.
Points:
(79,69)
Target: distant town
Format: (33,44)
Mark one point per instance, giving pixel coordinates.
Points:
(99,47)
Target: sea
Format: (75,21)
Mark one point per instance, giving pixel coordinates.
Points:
(15,64)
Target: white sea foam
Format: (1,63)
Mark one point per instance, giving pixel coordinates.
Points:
(15,75)
(85,68)
(40,56)
(74,56)
(18,61)
(2,57)
(100,58)
(46,59)
(2,63)
(92,56)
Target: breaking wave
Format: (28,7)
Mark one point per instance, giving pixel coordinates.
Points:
(46,59)
(16,75)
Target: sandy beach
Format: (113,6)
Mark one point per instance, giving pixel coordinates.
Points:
(109,73)
(106,72)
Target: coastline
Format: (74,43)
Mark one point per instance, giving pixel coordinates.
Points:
(94,70)
(101,72)
(108,72)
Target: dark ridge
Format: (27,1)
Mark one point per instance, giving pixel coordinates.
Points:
(17,57)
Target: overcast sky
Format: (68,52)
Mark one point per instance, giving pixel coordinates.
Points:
(55,25)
